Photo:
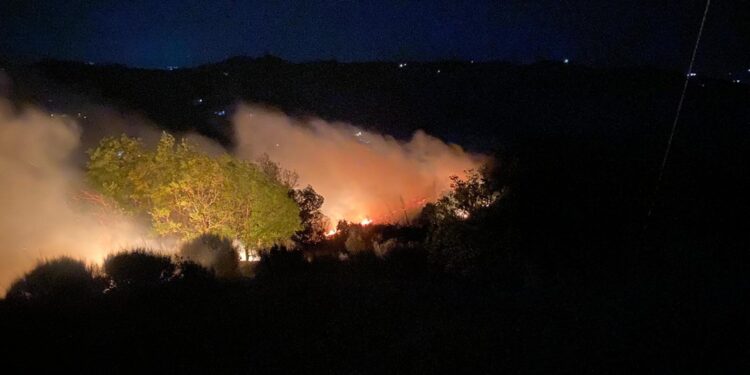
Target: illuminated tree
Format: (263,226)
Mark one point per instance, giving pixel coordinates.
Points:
(314,223)
(111,165)
(188,193)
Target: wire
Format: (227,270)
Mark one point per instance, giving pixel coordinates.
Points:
(664,160)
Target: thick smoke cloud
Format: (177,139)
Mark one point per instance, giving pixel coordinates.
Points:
(361,174)
(40,195)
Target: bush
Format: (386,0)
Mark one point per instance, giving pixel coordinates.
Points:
(213,252)
(280,262)
(62,279)
(138,268)
(191,272)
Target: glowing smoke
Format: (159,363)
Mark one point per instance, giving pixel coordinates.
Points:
(40,179)
(363,176)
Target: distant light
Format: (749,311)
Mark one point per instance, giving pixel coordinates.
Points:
(472,61)
(198,101)
(692,74)
(402,65)
(463,214)
(172,67)
(226,74)
(358,133)
(566,61)
(438,71)
(736,81)
(221,113)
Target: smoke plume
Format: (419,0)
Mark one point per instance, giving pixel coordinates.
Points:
(45,214)
(362,175)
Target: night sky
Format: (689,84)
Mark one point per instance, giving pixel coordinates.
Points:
(189,32)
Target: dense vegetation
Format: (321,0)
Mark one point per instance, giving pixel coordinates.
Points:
(188,193)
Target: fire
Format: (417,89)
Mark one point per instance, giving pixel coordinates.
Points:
(331,232)
(358,172)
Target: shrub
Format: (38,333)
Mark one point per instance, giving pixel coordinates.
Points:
(138,268)
(191,272)
(213,252)
(280,262)
(62,279)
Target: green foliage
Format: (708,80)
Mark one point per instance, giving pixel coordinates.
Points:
(188,193)
(112,168)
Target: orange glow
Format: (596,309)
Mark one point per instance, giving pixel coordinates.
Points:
(331,232)
(365,221)
(359,172)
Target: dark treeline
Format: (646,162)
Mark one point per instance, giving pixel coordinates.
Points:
(556,276)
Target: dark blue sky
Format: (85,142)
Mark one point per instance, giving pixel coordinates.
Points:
(191,32)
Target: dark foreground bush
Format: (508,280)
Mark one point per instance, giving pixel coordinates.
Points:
(279,262)
(58,280)
(138,268)
(213,252)
(193,273)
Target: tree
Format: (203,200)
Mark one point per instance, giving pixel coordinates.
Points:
(467,197)
(112,166)
(188,193)
(314,223)
(262,212)
(276,173)
(462,236)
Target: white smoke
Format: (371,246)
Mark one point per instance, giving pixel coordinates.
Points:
(40,185)
(359,173)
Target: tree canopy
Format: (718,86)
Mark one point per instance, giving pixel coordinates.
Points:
(187,193)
